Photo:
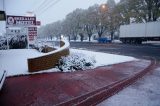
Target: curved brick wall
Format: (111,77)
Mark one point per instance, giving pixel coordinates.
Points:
(49,60)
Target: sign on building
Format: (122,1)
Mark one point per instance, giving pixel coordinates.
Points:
(20,21)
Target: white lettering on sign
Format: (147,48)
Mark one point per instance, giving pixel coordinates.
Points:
(32,32)
(20,21)
(24,23)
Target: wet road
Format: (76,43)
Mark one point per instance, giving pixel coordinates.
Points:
(145,92)
(144,51)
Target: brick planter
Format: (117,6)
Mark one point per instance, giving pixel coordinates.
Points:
(47,61)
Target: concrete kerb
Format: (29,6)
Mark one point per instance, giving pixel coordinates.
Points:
(97,96)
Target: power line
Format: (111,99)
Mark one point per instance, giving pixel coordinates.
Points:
(52,4)
(42,5)
(32,5)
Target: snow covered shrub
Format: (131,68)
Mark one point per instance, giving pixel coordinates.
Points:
(76,61)
(43,47)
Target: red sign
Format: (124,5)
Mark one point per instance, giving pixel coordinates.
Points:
(31,38)
(32,32)
(20,20)
(32,28)
(38,23)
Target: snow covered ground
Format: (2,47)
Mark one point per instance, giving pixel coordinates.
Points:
(145,92)
(15,61)
(105,58)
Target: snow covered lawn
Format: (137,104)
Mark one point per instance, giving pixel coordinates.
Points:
(15,61)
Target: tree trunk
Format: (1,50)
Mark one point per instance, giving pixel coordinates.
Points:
(81,35)
(51,38)
(89,36)
(100,34)
(112,32)
(156,10)
(69,38)
(149,9)
(75,38)
(149,15)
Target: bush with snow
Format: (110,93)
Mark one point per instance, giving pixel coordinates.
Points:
(43,47)
(76,61)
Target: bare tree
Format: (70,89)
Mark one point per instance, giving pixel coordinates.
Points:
(103,18)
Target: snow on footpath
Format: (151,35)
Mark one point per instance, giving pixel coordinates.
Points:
(14,61)
(145,92)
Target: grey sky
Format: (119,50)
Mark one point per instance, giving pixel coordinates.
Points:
(45,10)
(53,13)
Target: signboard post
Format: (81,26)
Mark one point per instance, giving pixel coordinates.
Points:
(24,22)
(7,38)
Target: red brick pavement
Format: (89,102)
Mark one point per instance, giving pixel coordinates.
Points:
(69,88)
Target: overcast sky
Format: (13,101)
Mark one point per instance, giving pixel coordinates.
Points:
(46,11)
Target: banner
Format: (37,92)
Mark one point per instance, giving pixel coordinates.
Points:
(20,21)
(17,38)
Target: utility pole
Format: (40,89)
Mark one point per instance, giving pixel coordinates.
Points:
(4,8)
(4,5)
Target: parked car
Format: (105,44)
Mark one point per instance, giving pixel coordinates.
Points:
(104,40)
